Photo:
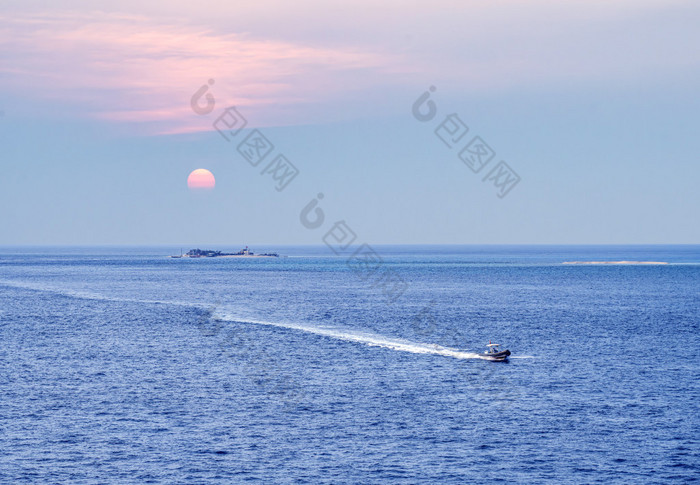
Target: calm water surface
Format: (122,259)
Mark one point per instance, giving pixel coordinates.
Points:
(122,365)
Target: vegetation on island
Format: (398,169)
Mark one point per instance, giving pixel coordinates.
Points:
(208,253)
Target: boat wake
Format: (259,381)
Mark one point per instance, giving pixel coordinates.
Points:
(89,295)
(370,339)
(348,335)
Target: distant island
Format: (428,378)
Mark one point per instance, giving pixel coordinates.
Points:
(614,262)
(208,253)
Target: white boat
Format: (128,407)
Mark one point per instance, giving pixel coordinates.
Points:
(494,353)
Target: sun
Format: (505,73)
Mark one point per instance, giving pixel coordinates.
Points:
(201,179)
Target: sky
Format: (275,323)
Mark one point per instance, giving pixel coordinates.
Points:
(443,122)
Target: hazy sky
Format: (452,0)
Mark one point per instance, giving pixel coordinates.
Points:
(594,106)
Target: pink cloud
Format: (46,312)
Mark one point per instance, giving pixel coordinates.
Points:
(363,58)
(128,68)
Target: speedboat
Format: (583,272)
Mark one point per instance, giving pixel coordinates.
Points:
(495,353)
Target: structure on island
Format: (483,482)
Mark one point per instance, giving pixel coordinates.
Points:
(208,253)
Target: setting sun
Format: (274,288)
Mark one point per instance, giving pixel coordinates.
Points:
(201,179)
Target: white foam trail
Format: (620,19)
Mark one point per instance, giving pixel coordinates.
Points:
(373,340)
(87,295)
(347,335)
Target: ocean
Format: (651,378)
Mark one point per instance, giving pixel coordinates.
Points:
(122,365)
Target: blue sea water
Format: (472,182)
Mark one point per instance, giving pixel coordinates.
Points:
(121,365)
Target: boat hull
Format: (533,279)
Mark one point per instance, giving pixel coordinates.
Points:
(498,356)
